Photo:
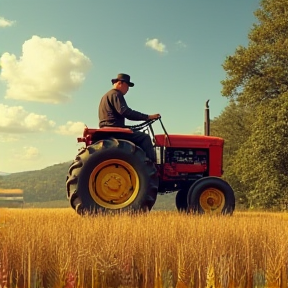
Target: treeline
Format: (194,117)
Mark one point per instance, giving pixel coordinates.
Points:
(255,123)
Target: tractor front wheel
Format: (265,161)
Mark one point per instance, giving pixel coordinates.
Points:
(211,195)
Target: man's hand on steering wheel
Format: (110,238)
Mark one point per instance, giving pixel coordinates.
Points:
(154,116)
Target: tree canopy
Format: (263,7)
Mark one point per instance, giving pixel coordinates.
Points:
(257,84)
(259,72)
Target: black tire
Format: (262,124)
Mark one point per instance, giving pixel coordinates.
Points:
(211,195)
(106,169)
(181,200)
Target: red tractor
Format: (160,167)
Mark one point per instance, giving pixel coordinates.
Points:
(113,174)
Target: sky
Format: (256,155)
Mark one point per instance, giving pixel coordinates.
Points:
(57,60)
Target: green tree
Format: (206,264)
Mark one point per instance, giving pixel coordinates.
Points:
(261,164)
(233,125)
(257,78)
(259,72)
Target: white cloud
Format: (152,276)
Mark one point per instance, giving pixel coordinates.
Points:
(30,153)
(27,153)
(155,44)
(6,23)
(17,120)
(71,128)
(181,44)
(48,71)
(198,130)
(8,138)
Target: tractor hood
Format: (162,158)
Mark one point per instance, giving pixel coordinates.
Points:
(187,141)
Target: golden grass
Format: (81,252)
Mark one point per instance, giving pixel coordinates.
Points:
(57,248)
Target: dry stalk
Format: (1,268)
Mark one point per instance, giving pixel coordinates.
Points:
(161,249)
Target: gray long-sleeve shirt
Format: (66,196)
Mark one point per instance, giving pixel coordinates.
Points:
(113,110)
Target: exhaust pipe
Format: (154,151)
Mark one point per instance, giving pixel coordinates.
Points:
(207,119)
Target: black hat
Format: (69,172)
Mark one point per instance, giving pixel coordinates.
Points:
(123,77)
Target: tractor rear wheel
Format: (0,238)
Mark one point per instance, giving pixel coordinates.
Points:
(211,195)
(181,200)
(112,175)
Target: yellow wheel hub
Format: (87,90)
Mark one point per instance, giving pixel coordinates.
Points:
(212,200)
(114,184)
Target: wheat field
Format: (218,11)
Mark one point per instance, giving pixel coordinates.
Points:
(57,248)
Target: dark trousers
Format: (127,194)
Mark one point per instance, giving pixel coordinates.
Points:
(142,140)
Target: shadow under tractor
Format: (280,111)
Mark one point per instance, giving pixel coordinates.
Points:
(112,174)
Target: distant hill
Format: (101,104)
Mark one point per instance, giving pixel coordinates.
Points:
(48,185)
(40,185)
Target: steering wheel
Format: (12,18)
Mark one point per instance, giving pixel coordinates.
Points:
(148,124)
(142,125)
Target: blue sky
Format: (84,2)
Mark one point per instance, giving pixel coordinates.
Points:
(58,58)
